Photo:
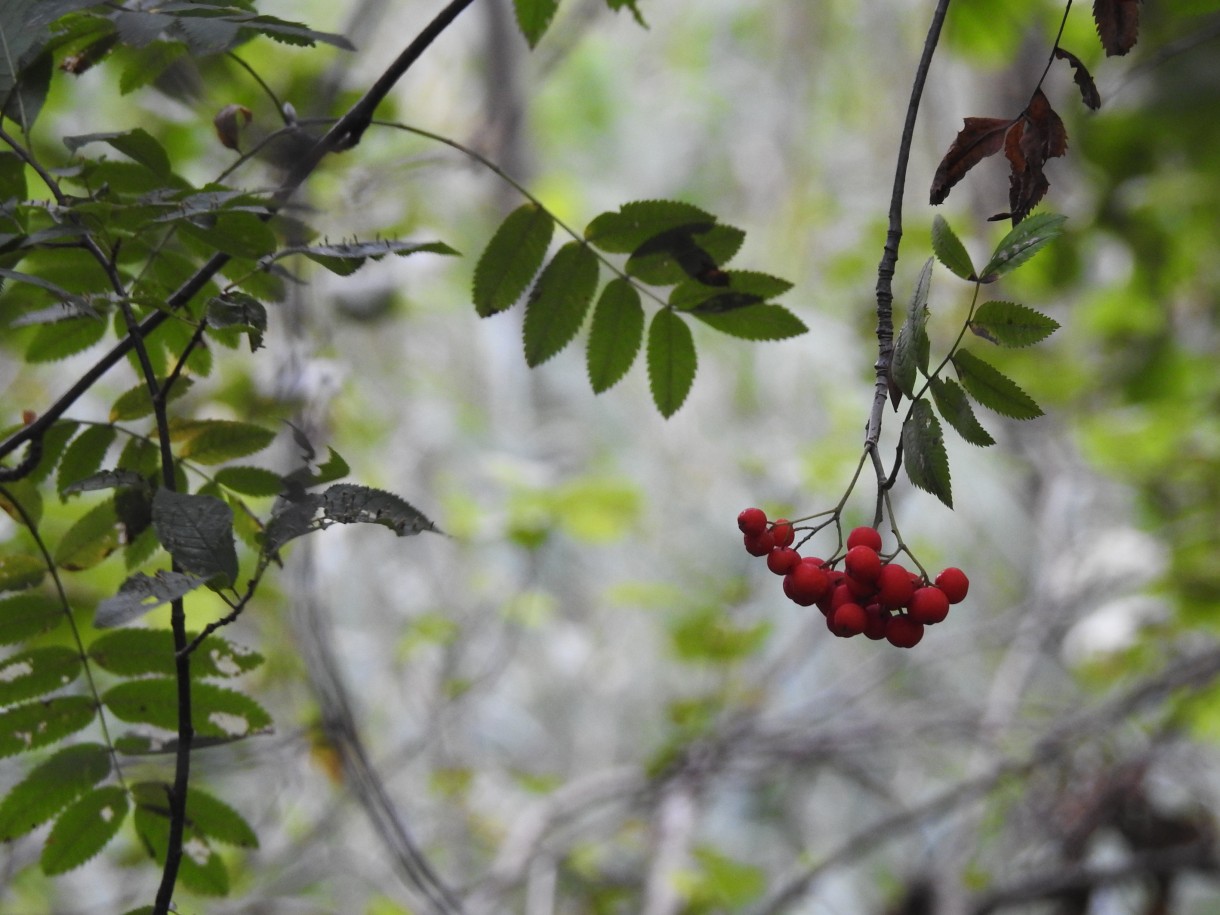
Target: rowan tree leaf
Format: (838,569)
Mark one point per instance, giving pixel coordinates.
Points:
(212,817)
(739,289)
(1038,135)
(1118,24)
(43,722)
(37,671)
(1084,80)
(197,531)
(695,250)
(24,616)
(1023,242)
(140,594)
(911,351)
(211,441)
(992,388)
(240,310)
(923,452)
(50,786)
(203,871)
(346,258)
(19,571)
(754,322)
(250,481)
(615,335)
(53,342)
(637,222)
(84,829)
(137,652)
(511,259)
(954,406)
(84,455)
(559,301)
(949,249)
(136,402)
(137,144)
(54,446)
(343,503)
(534,17)
(93,537)
(1010,324)
(671,361)
(978,139)
(216,711)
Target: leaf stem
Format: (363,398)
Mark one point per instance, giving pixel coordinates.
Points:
(1050,61)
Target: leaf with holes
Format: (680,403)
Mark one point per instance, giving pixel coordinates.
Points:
(42,722)
(198,532)
(343,503)
(559,302)
(671,361)
(84,829)
(27,615)
(511,259)
(1010,324)
(215,710)
(923,453)
(20,571)
(50,786)
(140,594)
(616,334)
(37,672)
(212,817)
(136,652)
(955,407)
(1022,243)
(993,389)
(202,871)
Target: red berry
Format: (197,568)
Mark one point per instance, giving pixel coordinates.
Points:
(806,584)
(848,620)
(759,544)
(894,587)
(752,521)
(864,591)
(903,631)
(878,619)
(865,536)
(782,532)
(783,560)
(954,583)
(863,563)
(928,605)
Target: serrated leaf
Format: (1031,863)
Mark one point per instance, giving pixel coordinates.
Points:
(212,817)
(202,871)
(84,829)
(1010,324)
(239,309)
(912,348)
(694,251)
(1022,243)
(42,722)
(239,234)
(615,335)
(20,571)
(198,532)
(250,481)
(993,389)
(754,322)
(534,16)
(955,407)
(27,615)
(671,361)
(637,222)
(923,451)
(106,479)
(93,537)
(343,503)
(136,652)
(50,786)
(36,672)
(949,249)
(559,302)
(141,593)
(138,145)
(84,455)
(53,342)
(215,710)
(511,259)
(54,447)
(211,441)
(739,289)
(21,500)
(346,258)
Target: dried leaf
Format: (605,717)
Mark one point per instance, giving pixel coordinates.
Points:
(1038,136)
(1118,24)
(1088,89)
(978,139)
(228,123)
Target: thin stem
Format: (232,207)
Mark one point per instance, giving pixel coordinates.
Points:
(279,107)
(1050,61)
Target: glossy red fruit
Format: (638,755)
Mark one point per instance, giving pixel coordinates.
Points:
(878,619)
(783,560)
(863,563)
(847,620)
(928,606)
(806,584)
(752,521)
(865,536)
(903,631)
(861,591)
(782,532)
(759,544)
(894,586)
(954,583)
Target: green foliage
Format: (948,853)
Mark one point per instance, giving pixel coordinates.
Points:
(137,652)
(37,671)
(84,829)
(1010,324)
(671,361)
(1022,243)
(992,388)
(534,16)
(615,335)
(911,351)
(559,302)
(43,722)
(954,406)
(924,456)
(511,259)
(950,251)
(215,711)
(24,616)
(50,786)
(197,531)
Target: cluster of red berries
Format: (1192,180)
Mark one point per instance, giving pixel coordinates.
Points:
(869,596)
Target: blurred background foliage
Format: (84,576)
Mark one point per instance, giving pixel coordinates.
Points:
(586,698)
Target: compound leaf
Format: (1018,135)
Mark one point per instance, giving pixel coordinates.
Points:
(136,652)
(924,456)
(215,711)
(559,302)
(640,221)
(50,786)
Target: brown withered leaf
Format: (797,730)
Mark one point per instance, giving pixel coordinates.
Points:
(978,139)
(228,123)
(1088,89)
(1118,24)
(1037,136)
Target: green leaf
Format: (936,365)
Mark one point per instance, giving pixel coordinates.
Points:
(136,652)
(993,389)
(559,302)
(139,594)
(203,871)
(1022,243)
(534,16)
(345,259)
(237,233)
(54,446)
(138,145)
(198,532)
(754,322)
(615,335)
(923,451)
(22,501)
(93,537)
(212,817)
(735,289)
(42,722)
(911,350)
(250,481)
(1010,324)
(84,455)
(12,177)
(343,503)
(241,310)
(211,441)
(84,829)
(955,407)
(694,251)
(62,339)
(671,361)
(636,223)
(109,479)
(51,786)
(144,65)
(950,251)
(20,571)
(511,259)
(215,710)
(36,672)
(27,615)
